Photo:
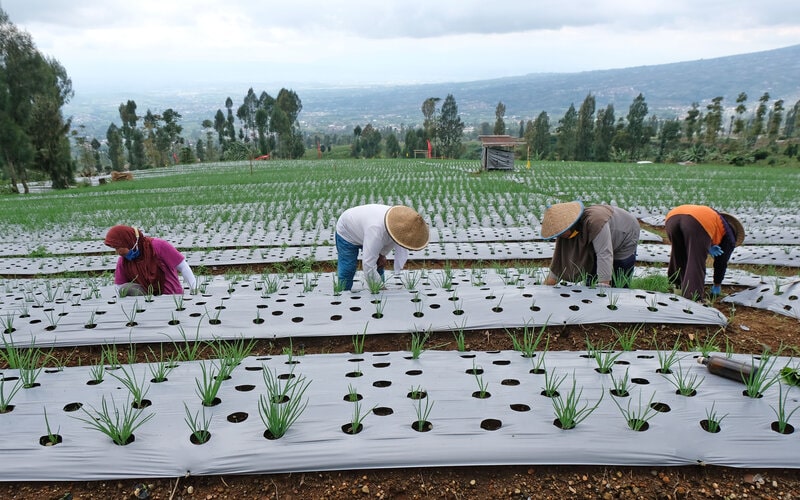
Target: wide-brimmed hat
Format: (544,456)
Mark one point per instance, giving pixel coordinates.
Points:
(406,227)
(737,226)
(560,217)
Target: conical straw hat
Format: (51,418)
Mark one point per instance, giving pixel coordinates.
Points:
(560,217)
(406,227)
(737,226)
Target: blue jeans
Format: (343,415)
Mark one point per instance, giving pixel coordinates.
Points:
(347,262)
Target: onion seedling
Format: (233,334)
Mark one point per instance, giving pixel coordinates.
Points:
(417,343)
(208,387)
(568,415)
(686,383)
(713,420)
(117,425)
(604,355)
(782,424)
(358,341)
(283,403)
(637,417)
(137,388)
(51,439)
(5,399)
(198,425)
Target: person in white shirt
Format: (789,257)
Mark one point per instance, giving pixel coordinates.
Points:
(376,230)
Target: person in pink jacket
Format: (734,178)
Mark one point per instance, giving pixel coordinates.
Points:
(147,265)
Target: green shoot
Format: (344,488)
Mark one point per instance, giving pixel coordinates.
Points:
(198,424)
(283,403)
(117,425)
(567,412)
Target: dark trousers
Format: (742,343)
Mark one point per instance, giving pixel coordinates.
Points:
(687,261)
(621,273)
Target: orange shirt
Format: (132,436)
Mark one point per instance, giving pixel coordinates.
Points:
(706,216)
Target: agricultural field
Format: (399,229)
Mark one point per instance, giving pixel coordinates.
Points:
(463,377)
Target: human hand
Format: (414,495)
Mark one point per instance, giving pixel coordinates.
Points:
(715,250)
(603,285)
(716,290)
(381,263)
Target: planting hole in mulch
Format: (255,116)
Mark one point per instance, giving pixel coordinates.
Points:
(140,405)
(414,373)
(51,440)
(382,411)
(417,395)
(481,394)
(381,383)
(422,426)
(520,407)
(660,407)
(509,381)
(237,417)
(491,424)
(787,429)
(349,429)
(204,437)
(214,402)
(706,427)
(245,387)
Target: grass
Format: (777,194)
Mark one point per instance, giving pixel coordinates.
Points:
(119,425)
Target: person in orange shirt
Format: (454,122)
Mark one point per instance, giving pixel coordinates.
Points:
(695,231)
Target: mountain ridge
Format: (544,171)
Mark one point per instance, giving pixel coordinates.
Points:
(669,90)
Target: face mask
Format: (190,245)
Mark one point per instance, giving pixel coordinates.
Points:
(132,254)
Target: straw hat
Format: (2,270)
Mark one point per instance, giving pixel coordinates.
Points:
(560,217)
(737,226)
(406,227)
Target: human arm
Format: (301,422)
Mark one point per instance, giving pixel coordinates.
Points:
(188,275)
(604,251)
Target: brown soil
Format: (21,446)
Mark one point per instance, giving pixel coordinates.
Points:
(750,331)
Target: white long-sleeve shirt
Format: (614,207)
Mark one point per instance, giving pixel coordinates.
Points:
(364,226)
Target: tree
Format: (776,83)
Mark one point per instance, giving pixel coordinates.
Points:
(584,129)
(283,123)
(370,141)
(741,109)
(638,133)
(115,148)
(604,133)
(127,114)
(713,120)
(392,146)
(450,128)
(429,115)
(668,139)
(775,120)
(691,122)
(499,123)
(758,121)
(33,90)
(565,134)
(539,137)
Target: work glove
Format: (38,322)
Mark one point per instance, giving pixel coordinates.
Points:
(716,290)
(715,250)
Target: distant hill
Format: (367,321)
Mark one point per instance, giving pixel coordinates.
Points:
(669,90)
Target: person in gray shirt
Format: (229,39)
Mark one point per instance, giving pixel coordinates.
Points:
(597,242)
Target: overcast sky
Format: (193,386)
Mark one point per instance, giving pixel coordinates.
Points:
(125,44)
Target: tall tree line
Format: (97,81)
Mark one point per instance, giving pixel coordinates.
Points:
(34,135)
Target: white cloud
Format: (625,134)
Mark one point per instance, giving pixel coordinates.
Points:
(363,41)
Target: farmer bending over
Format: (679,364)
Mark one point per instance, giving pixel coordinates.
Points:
(147,265)
(598,242)
(376,229)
